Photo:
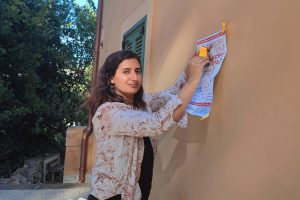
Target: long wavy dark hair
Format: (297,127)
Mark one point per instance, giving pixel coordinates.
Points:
(103,92)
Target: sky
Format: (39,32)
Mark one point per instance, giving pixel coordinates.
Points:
(82,2)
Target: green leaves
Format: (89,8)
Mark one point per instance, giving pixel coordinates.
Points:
(46,50)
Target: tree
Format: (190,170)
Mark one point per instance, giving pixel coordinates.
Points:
(46,49)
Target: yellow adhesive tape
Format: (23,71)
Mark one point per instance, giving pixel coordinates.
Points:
(205,116)
(203,51)
(223,27)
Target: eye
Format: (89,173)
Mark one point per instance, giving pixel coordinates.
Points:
(138,71)
(126,71)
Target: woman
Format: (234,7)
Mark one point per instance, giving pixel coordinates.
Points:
(126,123)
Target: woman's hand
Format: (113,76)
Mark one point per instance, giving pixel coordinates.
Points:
(195,67)
(193,72)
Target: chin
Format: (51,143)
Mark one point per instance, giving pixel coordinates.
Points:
(132,91)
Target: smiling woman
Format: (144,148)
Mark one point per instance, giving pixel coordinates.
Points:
(127,123)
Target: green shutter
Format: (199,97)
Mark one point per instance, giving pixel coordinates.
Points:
(134,39)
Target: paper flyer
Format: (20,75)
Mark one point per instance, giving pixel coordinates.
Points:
(202,100)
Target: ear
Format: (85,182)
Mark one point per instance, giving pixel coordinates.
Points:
(112,81)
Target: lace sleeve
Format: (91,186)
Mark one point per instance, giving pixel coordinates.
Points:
(118,119)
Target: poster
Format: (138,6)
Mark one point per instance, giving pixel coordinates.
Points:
(202,100)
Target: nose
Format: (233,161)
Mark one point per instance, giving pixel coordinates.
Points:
(134,76)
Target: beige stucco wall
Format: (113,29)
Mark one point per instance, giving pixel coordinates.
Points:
(249,147)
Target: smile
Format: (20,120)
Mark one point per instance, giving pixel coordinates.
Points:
(134,85)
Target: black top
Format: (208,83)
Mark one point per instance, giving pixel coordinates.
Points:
(146,169)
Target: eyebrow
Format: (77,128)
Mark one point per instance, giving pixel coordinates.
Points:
(132,67)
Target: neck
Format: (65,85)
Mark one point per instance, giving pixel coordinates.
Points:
(129,99)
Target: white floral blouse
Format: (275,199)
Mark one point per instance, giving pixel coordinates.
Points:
(119,130)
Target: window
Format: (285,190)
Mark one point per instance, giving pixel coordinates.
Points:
(134,39)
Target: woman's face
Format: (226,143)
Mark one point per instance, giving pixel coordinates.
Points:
(128,79)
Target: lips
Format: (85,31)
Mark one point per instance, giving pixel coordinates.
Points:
(134,85)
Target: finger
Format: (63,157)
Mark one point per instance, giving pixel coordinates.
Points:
(211,57)
(196,60)
(206,63)
(209,48)
(201,58)
(200,61)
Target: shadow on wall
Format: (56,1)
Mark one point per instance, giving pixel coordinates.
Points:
(183,137)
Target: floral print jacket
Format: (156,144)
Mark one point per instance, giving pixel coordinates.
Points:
(119,130)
